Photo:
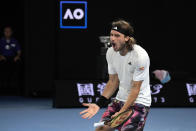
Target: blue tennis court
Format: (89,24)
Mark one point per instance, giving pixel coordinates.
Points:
(33,114)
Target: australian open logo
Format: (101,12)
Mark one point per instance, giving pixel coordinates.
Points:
(73,14)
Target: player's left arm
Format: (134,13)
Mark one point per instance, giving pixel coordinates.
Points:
(132,96)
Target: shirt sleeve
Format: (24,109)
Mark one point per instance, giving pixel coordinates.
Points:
(111,69)
(141,71)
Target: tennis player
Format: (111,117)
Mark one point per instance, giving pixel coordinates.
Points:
(128,68)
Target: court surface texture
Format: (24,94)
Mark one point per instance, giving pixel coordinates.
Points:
(36,114)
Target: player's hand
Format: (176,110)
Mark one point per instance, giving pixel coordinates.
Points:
(91,111)
(116,114)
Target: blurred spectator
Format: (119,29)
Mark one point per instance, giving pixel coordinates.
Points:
(10,54)
(162,75)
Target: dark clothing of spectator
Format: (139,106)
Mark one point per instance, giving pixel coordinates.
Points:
(9,68)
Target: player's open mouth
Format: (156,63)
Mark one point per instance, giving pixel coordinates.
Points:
(113,45)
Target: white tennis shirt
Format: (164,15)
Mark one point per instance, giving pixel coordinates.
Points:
(133,66)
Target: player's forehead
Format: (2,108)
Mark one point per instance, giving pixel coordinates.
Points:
(114,32)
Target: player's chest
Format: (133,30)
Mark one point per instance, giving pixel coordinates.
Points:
(124,64)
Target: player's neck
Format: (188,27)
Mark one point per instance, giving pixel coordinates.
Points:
(123,51)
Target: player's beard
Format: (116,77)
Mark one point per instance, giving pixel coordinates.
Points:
(116,48)
(121,47)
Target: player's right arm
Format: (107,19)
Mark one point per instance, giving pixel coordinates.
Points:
(111,86)
(113,81)
(109,90)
